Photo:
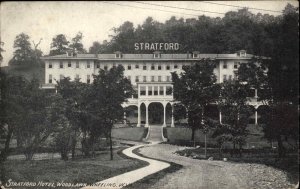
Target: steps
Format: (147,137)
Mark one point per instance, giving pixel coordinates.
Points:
(155,134)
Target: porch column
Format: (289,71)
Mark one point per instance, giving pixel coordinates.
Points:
(220,117)
(147,122)
(164,105)
(255,95)
(139,116)
(125,117)
(172,118)
(256,117)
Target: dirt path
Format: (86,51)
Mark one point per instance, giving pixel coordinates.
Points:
(203,174)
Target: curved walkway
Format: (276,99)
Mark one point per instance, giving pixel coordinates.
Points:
(132,176)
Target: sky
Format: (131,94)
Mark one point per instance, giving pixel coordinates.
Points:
(44,20)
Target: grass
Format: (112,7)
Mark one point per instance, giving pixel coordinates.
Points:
(81,170)
(130,133)
(182,136)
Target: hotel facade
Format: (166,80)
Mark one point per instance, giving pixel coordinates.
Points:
(150,75)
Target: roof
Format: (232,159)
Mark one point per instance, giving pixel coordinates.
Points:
(186,56)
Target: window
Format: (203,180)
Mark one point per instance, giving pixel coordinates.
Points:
(105,67)
(167,78)
(77,64)
(161,90)
(152,78)
(195,55)
(225,65)
(156,55)
(136,78)
(159,67)
(88,79)
(118,55)
(77,77)
(230,77)
(150,91)
(167,67)
(144,67)
(175,66)
(159,78)
(88,65)
(50,78)
(168,90)
(98,65)
(224,77)
(61,77)
(129,78)
(144,78)
(129,67)
(142,90)
(152,67)
(137,66)
(155,90)
(235,66)
(50,65)
(61,64)
(69,64)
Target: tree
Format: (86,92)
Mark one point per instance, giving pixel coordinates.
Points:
(34,127)
(63,130)
(11,110)
(72,94)
(235,113)
(108,91)
(195,88)
(76,44)
(59,45)
(23,50)
(277,79)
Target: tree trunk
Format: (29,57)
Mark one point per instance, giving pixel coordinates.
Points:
(281,149)
(74,141)
(205,146)
(110,144)
(5,151)
(193,134)
(220,151)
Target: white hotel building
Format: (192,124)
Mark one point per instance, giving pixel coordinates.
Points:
(149,75)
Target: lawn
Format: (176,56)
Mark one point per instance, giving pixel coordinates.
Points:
(182,136)
(130,133)
(80,170)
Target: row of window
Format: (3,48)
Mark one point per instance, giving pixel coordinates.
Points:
(137,66)
(228,77)
(150,78)
(69,65)
(88,78)
(156,90)
(235,65)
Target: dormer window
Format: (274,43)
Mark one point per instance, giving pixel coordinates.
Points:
(195,54)
(69,53)
(242,53)
(118,54)
(156,54)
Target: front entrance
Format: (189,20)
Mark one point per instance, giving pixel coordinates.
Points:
(156,113)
